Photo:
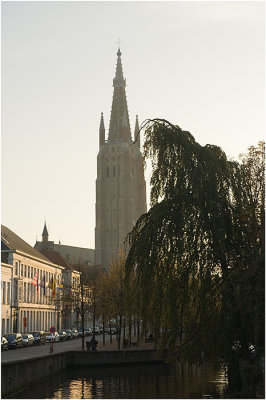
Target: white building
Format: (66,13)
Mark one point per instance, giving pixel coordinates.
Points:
(32,308)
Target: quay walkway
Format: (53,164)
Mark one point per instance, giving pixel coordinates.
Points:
(41,364)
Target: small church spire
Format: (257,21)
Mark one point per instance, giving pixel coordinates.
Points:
(119,123)
(137,132)
(101,132)
(45,233)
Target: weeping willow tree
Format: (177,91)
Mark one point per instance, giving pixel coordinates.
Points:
(190,255)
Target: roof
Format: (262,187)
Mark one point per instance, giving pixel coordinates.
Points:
(11,241)
(56,258)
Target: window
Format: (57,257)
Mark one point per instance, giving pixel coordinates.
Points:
(28,271)
(25,271)
(8,293)
(15,290)
(114,170)
(7,326)
(16,268)
(21,270)
(107,172)
(31,272)
(20,291)
(3,327)
(4,292)
(25,292)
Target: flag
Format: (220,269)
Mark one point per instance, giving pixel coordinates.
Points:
(42,284)
(35,282)
(70,292)
(53,287)
(61,286)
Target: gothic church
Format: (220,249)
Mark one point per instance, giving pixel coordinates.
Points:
(120,184)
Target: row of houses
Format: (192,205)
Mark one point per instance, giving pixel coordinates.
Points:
(32,282)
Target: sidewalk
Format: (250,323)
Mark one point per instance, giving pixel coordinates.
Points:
(114,345)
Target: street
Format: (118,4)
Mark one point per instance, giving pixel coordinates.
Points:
(42,350)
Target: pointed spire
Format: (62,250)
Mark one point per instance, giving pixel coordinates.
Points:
(101,132)
(45,233)
(137,132)
(119,123)
(119,78)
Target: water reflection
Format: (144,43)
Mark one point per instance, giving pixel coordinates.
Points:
(150,381)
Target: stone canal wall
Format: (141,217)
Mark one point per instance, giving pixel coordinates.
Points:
(17,375)
(89,358)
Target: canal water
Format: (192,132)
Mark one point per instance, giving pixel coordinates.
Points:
(154,381)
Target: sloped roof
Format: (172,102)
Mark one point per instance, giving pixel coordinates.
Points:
(56,258)
(11,241)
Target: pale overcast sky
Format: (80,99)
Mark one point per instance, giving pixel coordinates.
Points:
(197,64)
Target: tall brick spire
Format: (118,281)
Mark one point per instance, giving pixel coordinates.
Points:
(119,123)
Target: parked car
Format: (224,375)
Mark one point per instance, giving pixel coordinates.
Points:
(97,330)
(27,339)
(69,334)
(88,331)
(75,333)
(14,340)
(4,344)
(62,336)
(39,337)
(52,337)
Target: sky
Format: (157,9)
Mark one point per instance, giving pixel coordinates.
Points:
(199,65)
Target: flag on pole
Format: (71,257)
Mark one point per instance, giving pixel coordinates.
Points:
(42,284)
(61,286)
(53,288)
(35,282)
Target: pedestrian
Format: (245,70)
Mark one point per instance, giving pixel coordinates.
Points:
(94,344)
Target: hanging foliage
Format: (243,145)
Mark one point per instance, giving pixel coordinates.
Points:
(190,255)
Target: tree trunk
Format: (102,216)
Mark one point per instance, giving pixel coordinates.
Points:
(119,333)
(129,329)
(110,331)
(103,331)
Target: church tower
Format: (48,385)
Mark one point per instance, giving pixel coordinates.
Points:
(120,184)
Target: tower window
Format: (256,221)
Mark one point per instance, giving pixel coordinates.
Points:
(114,171)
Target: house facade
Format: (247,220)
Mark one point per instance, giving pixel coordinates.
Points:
(32,306)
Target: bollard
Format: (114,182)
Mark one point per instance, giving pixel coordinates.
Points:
(51,347)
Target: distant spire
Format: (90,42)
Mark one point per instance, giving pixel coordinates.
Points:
(45,233)
(137,132)
(119,123)
(101,131)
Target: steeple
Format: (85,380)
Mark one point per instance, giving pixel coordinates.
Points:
(137,132)
(119,123)
(45,233)
(101,132)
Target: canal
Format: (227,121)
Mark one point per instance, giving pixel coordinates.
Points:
(156,381)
